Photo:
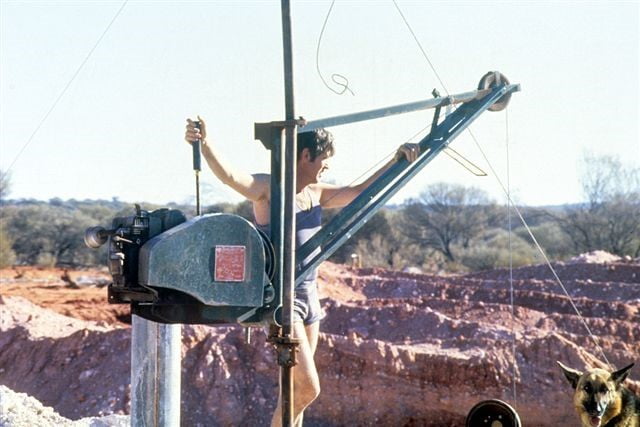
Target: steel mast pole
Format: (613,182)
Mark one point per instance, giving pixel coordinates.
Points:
(288,349)
(155,373)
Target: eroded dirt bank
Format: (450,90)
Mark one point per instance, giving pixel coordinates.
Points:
(395,349)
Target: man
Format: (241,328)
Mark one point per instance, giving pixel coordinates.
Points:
(314,150)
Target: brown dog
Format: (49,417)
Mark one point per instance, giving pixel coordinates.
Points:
(601,400)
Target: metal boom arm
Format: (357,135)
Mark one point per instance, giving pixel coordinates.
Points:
(363,207)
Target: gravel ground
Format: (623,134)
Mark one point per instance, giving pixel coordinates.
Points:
(22,410)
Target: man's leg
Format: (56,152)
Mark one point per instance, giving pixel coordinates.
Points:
(305,376)
(312,331)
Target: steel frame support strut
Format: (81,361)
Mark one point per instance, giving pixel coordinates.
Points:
(395,109)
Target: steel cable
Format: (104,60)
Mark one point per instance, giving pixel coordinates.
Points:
(64,90)
(335,76)
(524,223)
(541,250)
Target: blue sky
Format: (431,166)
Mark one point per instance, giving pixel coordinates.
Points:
(117,132)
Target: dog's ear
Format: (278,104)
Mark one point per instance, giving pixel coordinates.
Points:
(619,376)
(572,375)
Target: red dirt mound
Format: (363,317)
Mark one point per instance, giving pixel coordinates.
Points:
(395,349)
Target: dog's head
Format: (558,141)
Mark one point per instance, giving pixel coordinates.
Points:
(596,393)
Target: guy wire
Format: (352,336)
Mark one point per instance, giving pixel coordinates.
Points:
(514,364)
(542,252)
(420,46)
(513,336)
(55,103)
(535,241)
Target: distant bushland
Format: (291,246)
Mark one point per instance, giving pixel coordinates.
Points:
(447,228)
(453,237)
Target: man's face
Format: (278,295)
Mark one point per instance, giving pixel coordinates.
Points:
(312,170)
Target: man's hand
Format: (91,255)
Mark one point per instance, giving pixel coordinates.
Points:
(193,134)
(409,151)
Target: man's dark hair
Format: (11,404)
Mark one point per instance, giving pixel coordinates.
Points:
(318,141)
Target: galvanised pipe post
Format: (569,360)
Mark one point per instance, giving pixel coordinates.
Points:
(155,373)
(287,344)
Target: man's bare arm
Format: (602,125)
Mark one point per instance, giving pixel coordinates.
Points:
(332,196)
(253,187)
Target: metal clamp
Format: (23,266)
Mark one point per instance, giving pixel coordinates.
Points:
(286,347)
(436,114)
(265,132)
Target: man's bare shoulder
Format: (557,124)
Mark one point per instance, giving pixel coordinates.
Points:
(262,181)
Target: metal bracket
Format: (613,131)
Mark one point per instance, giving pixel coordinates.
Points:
(286,346)
(436,114)
(266,132)
(357,213)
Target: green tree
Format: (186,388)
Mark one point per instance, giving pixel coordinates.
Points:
(446,215)
(7,255)
(47,235)
(495,249)
(610,218)
(377,224)
(243,209)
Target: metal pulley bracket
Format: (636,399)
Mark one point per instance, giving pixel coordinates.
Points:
(436,114)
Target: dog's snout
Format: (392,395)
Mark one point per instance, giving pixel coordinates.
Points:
(594,406)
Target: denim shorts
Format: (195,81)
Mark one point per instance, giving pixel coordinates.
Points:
(306,304)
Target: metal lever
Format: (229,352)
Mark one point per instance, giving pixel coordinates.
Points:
(196,147)
(117,238)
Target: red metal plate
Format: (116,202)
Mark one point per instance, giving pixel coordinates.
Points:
(229,263)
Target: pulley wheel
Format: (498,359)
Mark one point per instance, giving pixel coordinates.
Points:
(491,80)
(492,413)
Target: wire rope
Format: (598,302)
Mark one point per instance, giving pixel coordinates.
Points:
(424,53)
(335,76)
(514,365)
(515,208)
(542,252)
(66,87)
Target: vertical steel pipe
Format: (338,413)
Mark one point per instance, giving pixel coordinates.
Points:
(277,207)
(288,243)
(155,373)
